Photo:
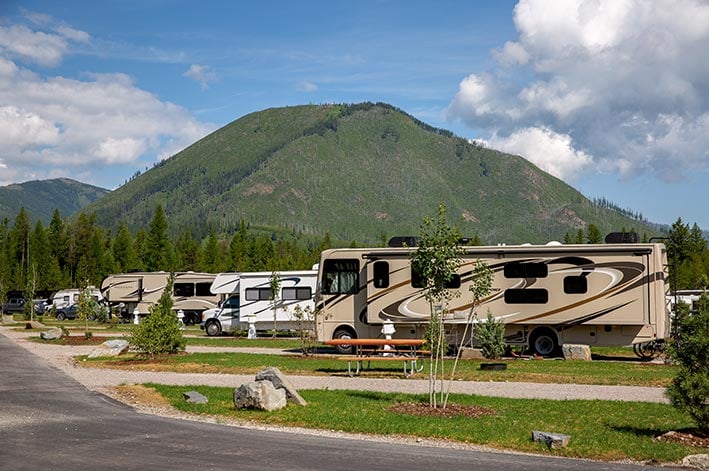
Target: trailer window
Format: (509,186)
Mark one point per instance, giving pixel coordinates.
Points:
(340,276)
(417,280)
(575,285)
(381,274)
(526,270)
(231,303)
(297,294)
(259,294)
(526,296)
(203,289)
(183,289)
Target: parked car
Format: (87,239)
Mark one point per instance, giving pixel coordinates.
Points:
(14,305)
(71,312)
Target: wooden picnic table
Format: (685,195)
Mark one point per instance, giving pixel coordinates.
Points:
(404,350)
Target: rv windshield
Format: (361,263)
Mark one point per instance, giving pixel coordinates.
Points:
(340,276)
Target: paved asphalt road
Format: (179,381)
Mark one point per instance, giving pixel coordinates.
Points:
(48,421)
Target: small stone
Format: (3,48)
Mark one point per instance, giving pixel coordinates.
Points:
(552,440)
(110,348)
(576,352)
(54,333)
(194,397)
(696,461)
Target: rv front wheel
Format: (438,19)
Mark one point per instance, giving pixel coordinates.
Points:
(213,328)
(543,343)
(344,334)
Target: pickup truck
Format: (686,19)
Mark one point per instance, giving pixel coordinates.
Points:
(14,305)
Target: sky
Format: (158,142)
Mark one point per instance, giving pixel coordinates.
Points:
(611,96)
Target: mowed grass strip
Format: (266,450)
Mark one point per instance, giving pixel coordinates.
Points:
(602,430)
(537,371)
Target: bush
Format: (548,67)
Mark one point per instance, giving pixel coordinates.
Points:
(689,390)
(159,333)
(491,337)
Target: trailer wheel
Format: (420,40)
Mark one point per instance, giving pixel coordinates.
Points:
(213,328)
(347,334)
(543,342)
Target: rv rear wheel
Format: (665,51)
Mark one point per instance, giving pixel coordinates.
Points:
(61,316)
(213,328)
(345,334)
(543,343)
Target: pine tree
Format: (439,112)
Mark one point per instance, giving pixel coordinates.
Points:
(158,251)
(124,250)
(159,333)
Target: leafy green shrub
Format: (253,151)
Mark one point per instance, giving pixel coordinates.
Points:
(689,390)
(491,337)
(159,333)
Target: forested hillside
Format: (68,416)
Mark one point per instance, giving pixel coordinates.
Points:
(41,198)
(362,172)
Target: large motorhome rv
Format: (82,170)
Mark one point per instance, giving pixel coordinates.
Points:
(546,295)
(140,290)
(249,302)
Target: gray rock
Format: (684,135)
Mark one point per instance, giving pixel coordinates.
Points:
(52,334)
(552,440)
(7,319)
(696,461)
(110,348)
(279,381)
(195,398)
(35,325)
(468,353)
(259,395)
(576,352)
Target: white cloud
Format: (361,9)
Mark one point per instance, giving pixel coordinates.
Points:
(54,126)
(628,79)
(307,87)
(552,152)
(202,74)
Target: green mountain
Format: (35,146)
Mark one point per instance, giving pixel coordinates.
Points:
(41,198)
(362,172)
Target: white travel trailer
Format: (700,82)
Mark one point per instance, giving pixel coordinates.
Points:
(547,295)
(67,297)
(249,302)
(140,290)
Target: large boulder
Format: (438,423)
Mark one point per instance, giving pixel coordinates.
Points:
(279,381)
(576,352)
(35,325)
(55,333)
(259,395)
(110,348)
(696,461)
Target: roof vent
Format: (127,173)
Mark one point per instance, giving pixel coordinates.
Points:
(622,238)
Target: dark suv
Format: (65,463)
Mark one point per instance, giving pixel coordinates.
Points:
(14,305)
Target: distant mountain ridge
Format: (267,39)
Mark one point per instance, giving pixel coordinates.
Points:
(361,172)
(41,197)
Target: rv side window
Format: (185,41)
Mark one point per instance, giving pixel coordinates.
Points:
(183,289)
(202,289)
(417,280)
(381,274)
(526,296)
(526,270)
(340,276)
(259,294)
(575,285)
(299,294)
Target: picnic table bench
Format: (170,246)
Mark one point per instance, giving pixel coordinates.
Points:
(368,350)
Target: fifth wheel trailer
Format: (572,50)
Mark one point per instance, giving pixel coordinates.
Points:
(546,295)
(140,290)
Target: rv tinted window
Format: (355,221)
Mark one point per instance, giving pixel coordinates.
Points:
(381,274)
(575,285)
(202,289)
(231,303)
(258,294)
(299,294)
(526,270)
(526,296)
(340,276)
(183,289)
(417,281)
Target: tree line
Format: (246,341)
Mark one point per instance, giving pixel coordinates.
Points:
(77,252)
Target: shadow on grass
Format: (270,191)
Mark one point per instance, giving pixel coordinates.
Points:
(638,431)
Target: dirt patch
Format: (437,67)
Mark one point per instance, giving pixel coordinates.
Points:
(81,340)
(139,395)
(451,410)
(688,437)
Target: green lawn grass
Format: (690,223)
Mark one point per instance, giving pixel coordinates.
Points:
(605,430)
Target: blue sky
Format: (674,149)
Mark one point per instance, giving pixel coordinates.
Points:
(609,95)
